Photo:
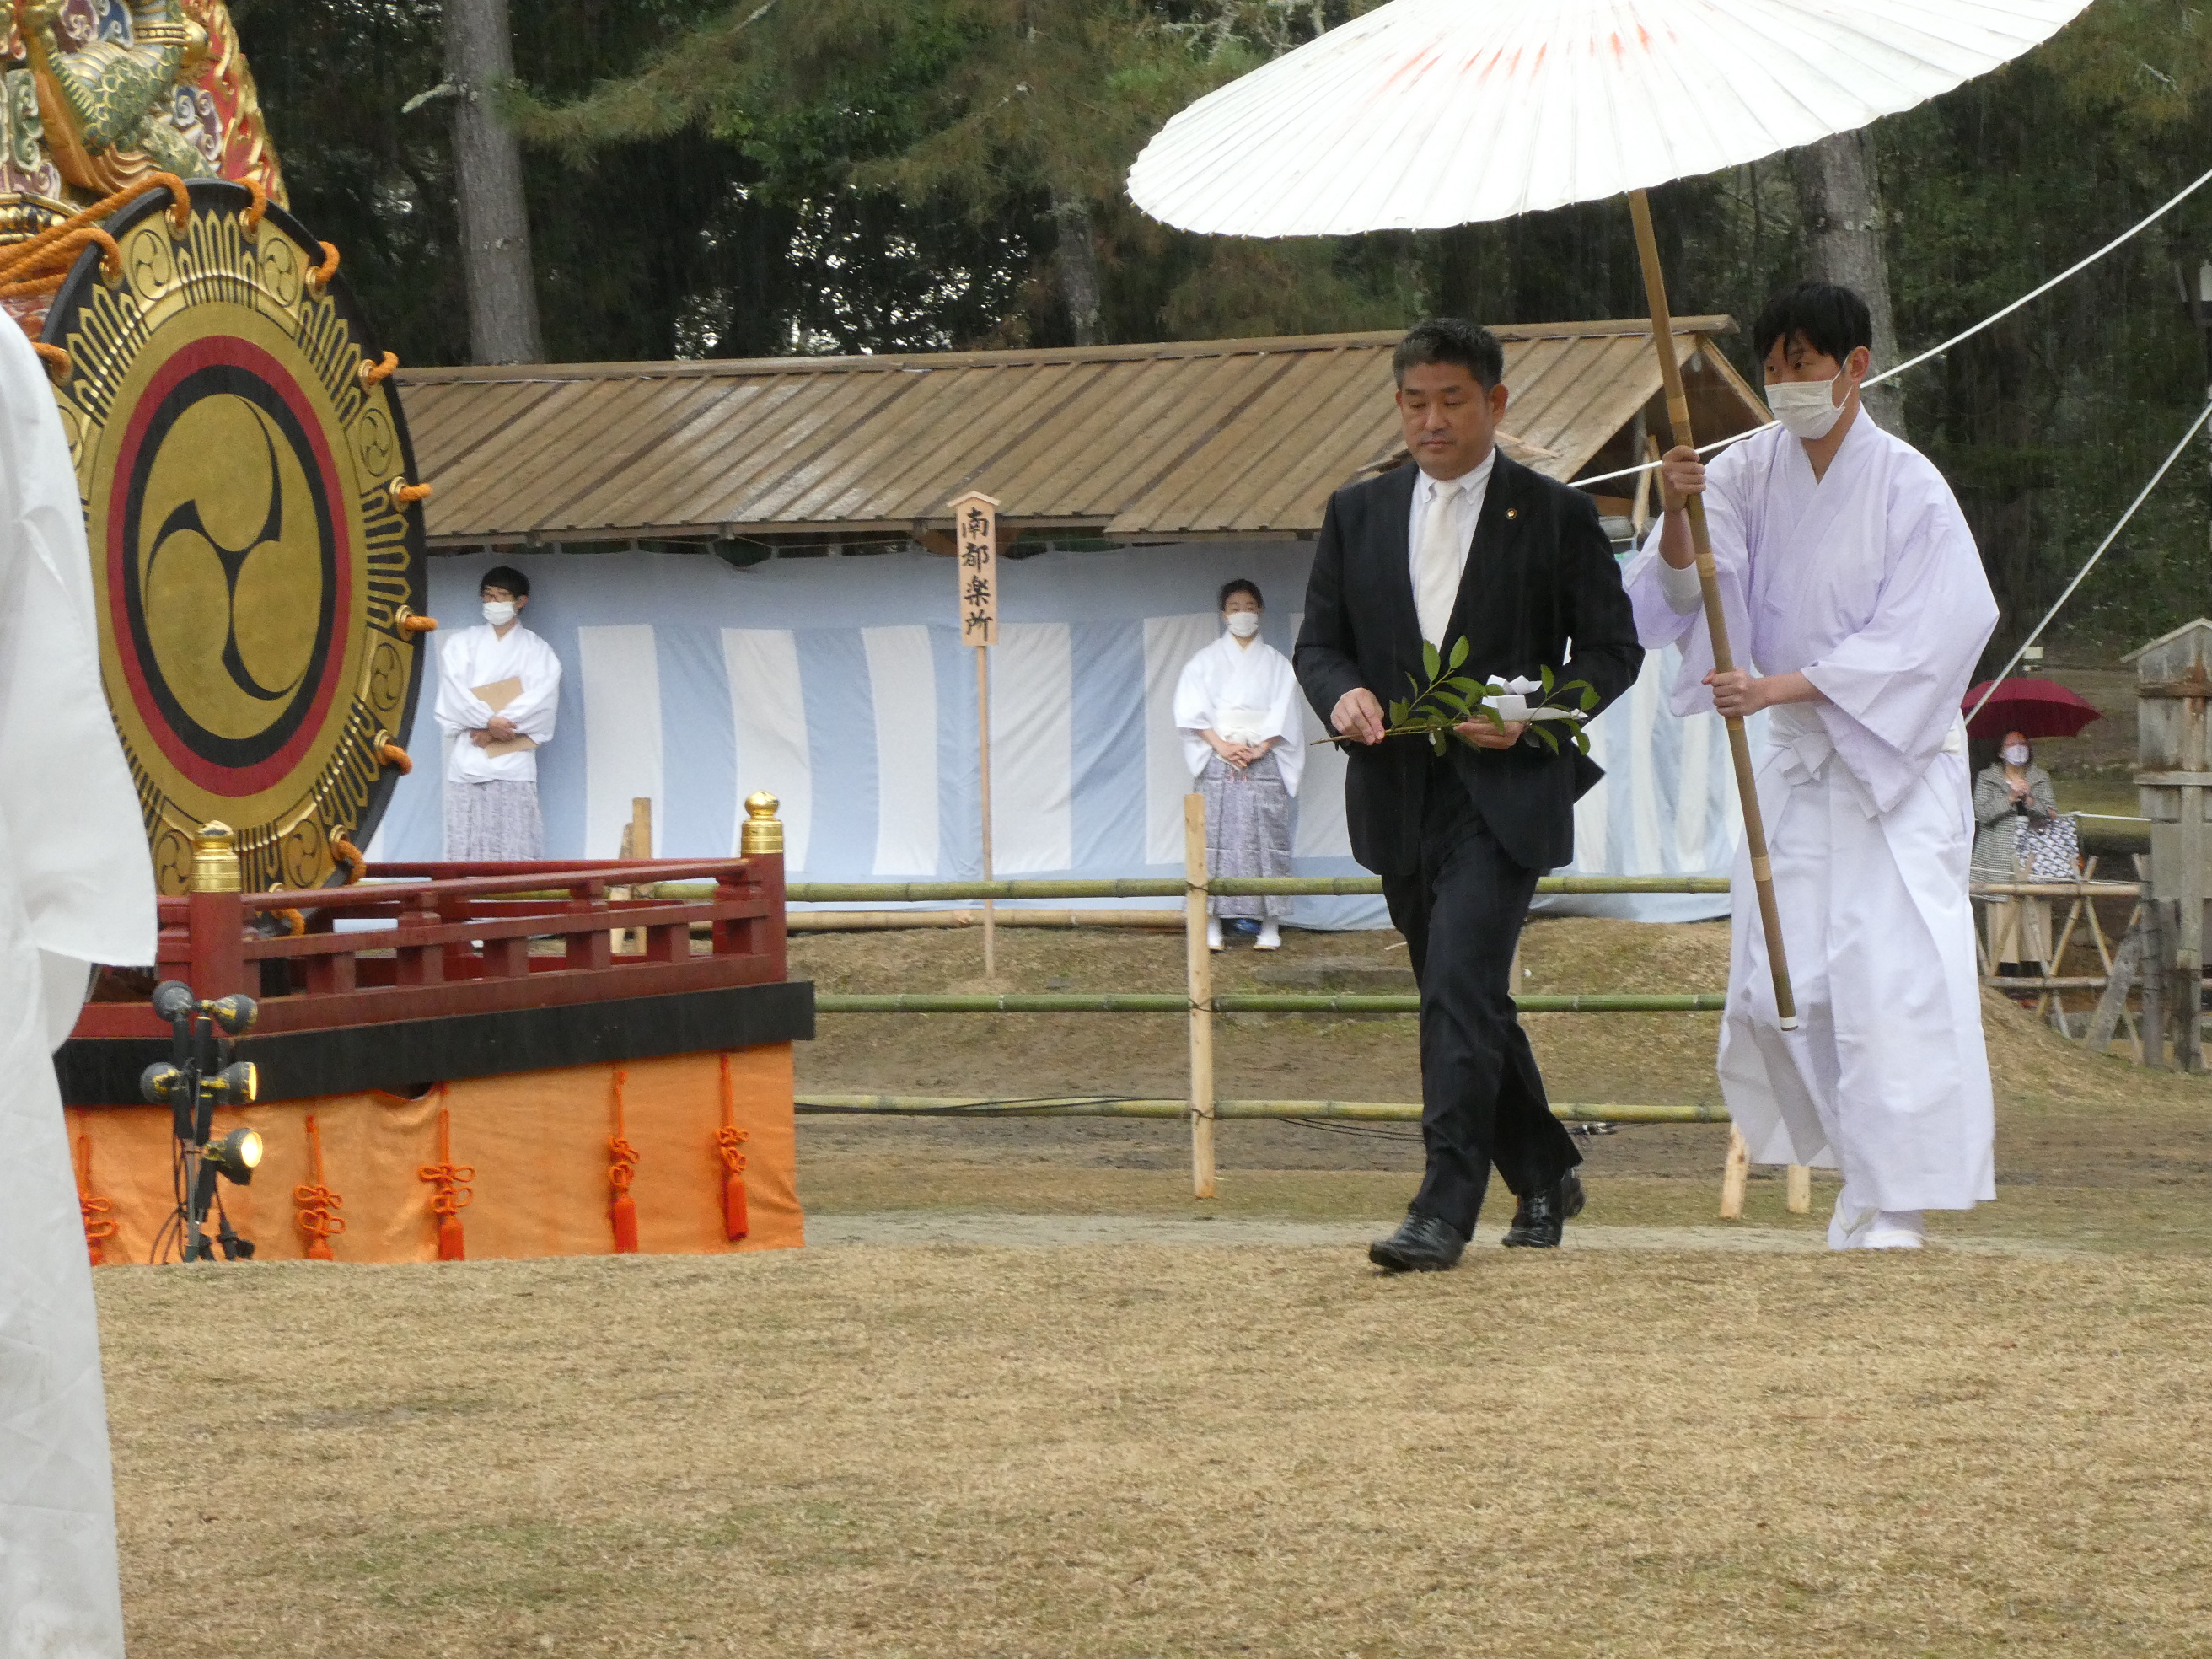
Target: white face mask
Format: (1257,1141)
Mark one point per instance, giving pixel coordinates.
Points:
(1808,409)
(1244,623)
(2016,755)
(498,612)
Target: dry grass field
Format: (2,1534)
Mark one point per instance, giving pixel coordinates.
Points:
(1113,1422)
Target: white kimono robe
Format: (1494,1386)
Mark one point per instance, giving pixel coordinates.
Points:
(475,657)
(76,887)
(1248,694)
(1867,582)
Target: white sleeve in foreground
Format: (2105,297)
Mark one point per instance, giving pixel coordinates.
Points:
(1680,588)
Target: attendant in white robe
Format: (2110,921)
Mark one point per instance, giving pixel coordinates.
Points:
(76,888)
(1856,606)
(499,689)
(1238,707)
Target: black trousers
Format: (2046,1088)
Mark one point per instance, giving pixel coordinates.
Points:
(1482,1098)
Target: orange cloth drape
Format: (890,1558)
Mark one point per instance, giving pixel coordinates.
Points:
(317,1206)
(538,1162)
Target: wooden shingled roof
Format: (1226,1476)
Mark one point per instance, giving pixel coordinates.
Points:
(1211,440)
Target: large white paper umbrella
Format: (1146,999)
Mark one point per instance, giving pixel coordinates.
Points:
(1427,113)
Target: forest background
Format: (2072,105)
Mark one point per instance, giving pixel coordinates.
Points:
(827,176)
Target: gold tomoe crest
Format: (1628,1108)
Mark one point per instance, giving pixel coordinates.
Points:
(253,568)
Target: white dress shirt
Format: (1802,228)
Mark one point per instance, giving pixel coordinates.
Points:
(1465,506)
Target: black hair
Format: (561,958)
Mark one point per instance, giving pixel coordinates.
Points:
(1238,585)
(1833,320)
(506,576)
(1448,340)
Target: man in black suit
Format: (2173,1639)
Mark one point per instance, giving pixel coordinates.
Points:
(1465,544)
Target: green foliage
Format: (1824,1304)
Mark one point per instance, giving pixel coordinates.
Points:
(1447,700)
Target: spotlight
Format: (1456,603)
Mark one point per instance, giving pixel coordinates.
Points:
(160,1082)
(173,1001)
(235,1157)
(235,1013)
(238,1083)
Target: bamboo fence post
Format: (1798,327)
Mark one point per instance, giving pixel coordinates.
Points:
(1199,961)
(1801,1190)
(1733,1174)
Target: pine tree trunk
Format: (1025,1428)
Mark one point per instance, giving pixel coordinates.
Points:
(488,167)
(1076,262)
(1839,202)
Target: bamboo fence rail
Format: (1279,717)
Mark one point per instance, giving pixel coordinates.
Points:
(1363,1111)
(1240,1002)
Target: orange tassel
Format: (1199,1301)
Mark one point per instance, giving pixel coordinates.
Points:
(621,1169)
(94,1211)
(452,1194)
(729,1142)
(319,1217)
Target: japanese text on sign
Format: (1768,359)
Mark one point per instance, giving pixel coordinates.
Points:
(976,537)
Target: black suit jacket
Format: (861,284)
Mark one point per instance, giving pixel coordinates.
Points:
(1541,574)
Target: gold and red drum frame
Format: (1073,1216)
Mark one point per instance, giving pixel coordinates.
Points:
(252,563)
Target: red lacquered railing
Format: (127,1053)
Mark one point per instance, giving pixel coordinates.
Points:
(455,939)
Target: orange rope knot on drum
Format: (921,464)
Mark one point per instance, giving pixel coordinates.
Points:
(406,495)
(252,218)
(392,755)
(371,375)
(57,361)
(346,853)
(452,1195)
(729,1145)
(319,278)
(317,1206)
(409,623)
(621,1169)
(94,1211)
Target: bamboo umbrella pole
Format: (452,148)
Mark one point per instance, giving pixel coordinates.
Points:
(1755,827)
(1678,417)
(1199,966)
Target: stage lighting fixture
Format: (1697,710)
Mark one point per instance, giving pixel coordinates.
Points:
(238,1083)
(235,1157)
(158,1083)
(235,1013)
(173,1001)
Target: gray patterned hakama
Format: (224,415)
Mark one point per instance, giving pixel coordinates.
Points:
(1247,830)
(494,823)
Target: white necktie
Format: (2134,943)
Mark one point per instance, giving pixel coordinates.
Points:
(1442,559)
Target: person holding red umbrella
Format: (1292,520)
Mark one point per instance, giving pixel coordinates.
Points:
(2012,799)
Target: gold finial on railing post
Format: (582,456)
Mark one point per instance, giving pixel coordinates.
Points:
(763,831)
(215,861)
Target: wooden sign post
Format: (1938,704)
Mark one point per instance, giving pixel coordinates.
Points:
(975,538)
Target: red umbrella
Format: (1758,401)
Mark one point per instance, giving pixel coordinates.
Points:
(2030,705)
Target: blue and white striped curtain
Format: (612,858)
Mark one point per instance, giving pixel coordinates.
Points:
(840,685)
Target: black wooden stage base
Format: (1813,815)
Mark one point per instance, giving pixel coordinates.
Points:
(403,1055)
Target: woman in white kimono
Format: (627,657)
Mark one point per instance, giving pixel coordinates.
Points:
(76,887)
(1238,707)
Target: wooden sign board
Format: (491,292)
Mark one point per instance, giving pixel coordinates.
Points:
(975,542)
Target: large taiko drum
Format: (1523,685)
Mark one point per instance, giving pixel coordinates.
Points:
(256,553)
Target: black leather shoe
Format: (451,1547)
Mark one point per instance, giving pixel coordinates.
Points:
(1541,1218)
(1422,1244)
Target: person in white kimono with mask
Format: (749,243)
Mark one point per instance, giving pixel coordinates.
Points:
(1853,590)
(76,888)
(499,690)
(1238,707)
